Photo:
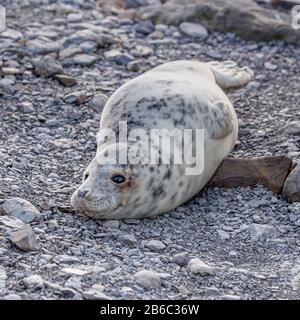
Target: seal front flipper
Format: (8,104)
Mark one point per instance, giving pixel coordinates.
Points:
(218,121)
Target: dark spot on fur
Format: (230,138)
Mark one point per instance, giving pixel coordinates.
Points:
(150,183)
(167,175)
(158,192)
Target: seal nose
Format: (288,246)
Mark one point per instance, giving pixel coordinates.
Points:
(82,193)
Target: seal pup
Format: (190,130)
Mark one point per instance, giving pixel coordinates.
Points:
(179,94)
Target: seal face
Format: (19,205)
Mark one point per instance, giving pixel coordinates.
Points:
(180,95)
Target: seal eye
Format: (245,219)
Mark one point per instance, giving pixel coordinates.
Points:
(118,178)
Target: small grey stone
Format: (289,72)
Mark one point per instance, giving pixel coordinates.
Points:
(12,296)
(67,81)
(11,222)
(142,51)
(111,224)
(24,238)
(124,59)
(133,66)
(181,258)
(197,266)
(155,245)
(27,107)
(291,188)
(132,221)
(223,234)
(34,281)
(65,259)
(230,297)
(10,71)
(118,57)
(144,27)
(261,231)
(3,277)
(98,102)
(252,85)
(42,47)
(292,128)
(11,34)
(270,66)
(84,59)
(193,30)
(127,239)
(149,279)
(76,97)
(83,35)
(7,86)
(21,209)
(74,17)
(95,295)
(47,67)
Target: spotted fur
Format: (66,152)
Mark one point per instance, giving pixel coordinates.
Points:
(181,95)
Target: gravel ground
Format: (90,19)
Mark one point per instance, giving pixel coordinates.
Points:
(247,239)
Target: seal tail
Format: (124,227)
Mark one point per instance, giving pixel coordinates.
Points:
(228,75)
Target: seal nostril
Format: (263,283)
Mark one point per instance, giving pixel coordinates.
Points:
(82,193)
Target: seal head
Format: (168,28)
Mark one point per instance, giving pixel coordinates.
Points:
(115,191)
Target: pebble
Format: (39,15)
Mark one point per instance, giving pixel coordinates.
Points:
(7,86)
(261,231)
(111,224)
(252,86)
(181,258)
(223,235)
(42,47)
(34,282)
(149,279)
(95,295)
(193,30)
(270,66)
(127,239)
(197,266)
(291,188)
(12,296)
(133,66)
(24,238)
(47,67)
(11,222)
(76,97)
(144,27)
(27,107)
(66,80)
(3,277)
(84,59)
(292,128)
(10,71)
(155,245)
(98,102)
(21,209)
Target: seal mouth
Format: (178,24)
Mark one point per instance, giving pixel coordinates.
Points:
(88,208)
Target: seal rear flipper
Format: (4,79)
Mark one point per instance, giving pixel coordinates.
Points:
(229,76)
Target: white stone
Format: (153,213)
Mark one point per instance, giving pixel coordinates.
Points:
(34,281)
(260,231)
(3,277)
(155,245)
(197,266)
(149,279)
